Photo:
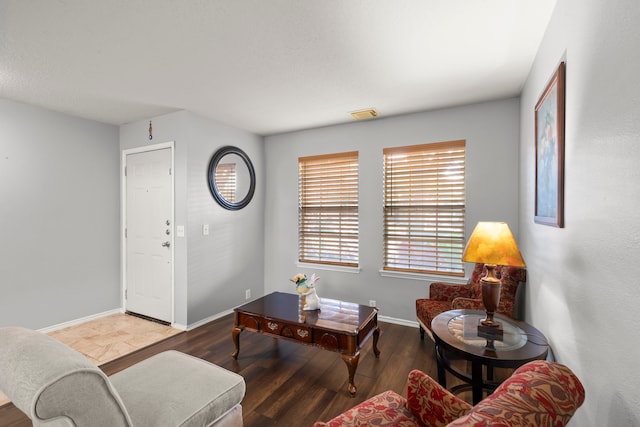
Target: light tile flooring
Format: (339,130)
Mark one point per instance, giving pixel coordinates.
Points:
(107,338)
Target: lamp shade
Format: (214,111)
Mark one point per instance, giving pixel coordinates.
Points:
(493,243)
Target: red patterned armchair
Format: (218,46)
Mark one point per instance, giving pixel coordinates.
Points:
(448,296)
(538,394)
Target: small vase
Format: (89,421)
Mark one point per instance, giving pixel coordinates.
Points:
(311,300)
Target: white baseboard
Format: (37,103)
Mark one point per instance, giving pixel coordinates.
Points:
(79,321)
(179,326)
(206,320)
(403,322)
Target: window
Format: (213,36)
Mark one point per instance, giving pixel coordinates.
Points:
(226,181)
(424,208)
(328,209)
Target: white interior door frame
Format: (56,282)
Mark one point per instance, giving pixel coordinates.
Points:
(123,217)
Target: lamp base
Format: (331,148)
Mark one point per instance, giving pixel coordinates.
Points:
(493,332)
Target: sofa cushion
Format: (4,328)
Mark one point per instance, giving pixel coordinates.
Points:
(201,392)
(427,309)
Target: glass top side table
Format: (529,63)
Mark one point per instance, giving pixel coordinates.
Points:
(455,334)
(465,328)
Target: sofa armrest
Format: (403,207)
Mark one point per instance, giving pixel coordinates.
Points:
(52,383)
(441,291)
(540,393)
(432,403)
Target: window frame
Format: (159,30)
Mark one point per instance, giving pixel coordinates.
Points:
(328,193)
(425,174)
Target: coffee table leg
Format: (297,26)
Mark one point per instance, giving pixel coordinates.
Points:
(352,365)
(376,335)
(235,334)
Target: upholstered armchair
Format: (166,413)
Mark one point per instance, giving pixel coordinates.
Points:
(448,296)
(538,394)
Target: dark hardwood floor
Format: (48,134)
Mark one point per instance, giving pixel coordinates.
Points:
(289,384)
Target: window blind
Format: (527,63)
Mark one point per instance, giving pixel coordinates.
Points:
(328,209)
(226,181)
(424,208)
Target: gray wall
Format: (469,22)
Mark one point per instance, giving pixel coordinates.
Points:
(211,272)
(491,130)
(59,204)
(583,279)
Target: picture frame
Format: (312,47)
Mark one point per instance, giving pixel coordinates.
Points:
(549,140)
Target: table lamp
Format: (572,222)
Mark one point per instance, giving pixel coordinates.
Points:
(493,244)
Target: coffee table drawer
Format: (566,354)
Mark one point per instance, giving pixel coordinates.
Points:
(298,333)
(248,321)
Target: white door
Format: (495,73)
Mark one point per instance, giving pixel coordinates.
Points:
(148,238)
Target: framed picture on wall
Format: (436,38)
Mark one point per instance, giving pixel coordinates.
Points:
(549,123)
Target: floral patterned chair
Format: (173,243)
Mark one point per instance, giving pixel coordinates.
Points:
(448,296)
(539,393)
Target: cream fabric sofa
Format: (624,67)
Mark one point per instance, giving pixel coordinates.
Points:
(55,385)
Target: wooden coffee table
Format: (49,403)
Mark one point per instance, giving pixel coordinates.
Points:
(456,335)
(338,326)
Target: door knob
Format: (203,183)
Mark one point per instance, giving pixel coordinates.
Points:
(166,244)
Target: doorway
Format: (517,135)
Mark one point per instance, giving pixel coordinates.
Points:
(148,205)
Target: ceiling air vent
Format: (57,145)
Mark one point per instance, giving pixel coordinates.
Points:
(364,114)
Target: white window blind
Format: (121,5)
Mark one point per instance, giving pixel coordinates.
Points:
(424,208)
(226,181)
(328,209)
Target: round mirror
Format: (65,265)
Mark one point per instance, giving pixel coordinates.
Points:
(232,179)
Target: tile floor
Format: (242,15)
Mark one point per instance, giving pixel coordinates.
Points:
(107,338)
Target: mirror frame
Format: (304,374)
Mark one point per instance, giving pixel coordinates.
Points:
(211,178)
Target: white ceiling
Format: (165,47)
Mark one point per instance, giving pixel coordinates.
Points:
(266,66)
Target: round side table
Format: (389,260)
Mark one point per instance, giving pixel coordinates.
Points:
(456,335)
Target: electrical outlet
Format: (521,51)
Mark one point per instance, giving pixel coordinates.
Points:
(372,303)
(205,229)
(247,294)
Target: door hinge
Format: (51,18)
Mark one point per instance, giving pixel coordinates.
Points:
(125,171)
(169,171)
(125,232)
(126,294)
